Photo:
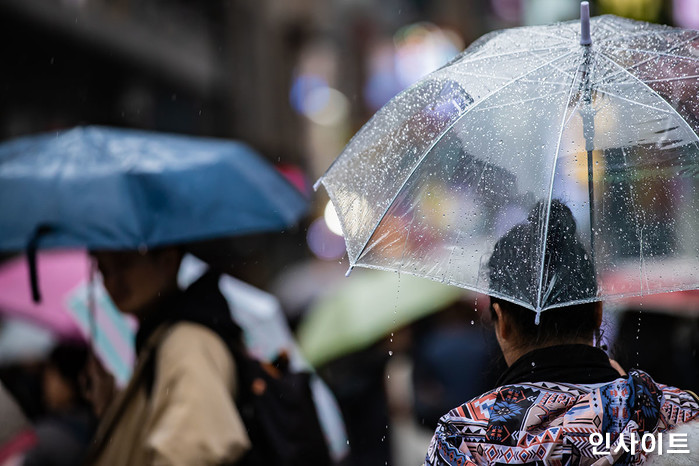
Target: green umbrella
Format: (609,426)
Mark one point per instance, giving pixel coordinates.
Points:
(365,309)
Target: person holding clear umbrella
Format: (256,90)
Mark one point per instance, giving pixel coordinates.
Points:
(595,112)
(561,400)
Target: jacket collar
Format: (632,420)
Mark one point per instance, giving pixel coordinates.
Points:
(578,364)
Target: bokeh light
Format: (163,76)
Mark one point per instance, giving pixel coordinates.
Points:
(331,219)
(324,243)
(327,106)
(416,51)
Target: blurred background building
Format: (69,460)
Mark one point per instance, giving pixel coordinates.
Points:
(293,78)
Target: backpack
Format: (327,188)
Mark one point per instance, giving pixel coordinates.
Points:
(275,403)
(277,408)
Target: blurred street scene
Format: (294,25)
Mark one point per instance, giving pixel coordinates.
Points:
(293,80)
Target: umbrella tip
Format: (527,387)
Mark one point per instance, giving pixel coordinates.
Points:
(349,271)
(585,24)
(537,319)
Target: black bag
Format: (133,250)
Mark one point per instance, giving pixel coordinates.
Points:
(275,403)
(277,408)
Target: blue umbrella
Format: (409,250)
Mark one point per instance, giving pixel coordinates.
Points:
(117,189)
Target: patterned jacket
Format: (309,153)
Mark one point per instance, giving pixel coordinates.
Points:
(544,423)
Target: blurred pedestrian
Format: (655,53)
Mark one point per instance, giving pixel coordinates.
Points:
(559,390)
(64,432)
(358,382)
(637,344)
(178,408)
(453,360)
(16,433)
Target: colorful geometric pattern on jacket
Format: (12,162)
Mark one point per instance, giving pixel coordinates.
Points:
(547,423)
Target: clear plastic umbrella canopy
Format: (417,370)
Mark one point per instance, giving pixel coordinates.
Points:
(605,123)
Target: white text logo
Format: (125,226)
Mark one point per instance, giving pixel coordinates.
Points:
(670,443)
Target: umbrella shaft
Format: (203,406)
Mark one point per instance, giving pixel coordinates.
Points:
(591,192)
(588,120)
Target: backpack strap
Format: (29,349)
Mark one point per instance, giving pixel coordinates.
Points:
(116,408)
(149,356)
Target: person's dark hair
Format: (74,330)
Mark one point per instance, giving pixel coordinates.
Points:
(514,269)
(69,359)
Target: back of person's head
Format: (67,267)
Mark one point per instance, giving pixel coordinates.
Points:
(567,275)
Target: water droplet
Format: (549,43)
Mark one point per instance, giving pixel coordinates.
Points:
(390,353)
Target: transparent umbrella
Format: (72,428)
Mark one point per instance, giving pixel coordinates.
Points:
(601,114)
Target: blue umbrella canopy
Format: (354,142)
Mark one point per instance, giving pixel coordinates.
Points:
(108,188)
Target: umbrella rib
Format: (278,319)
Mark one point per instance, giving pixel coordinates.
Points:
(514,52)
(505,78)
(632,294)
(678,78)
(455,64)
(652,52)
(553,175)
(569,29)
(639,228)
(617,96)
(564,72)
(436,141)
(665,102)
(572,113)
(554,36)
(477,289)
(524,101)
(615,37)
(642,62)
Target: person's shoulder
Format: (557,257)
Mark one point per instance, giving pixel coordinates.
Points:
(679,406)
(476,409)
(686,397)
(185,329)
(187,339)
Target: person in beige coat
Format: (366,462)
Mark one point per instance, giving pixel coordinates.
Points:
(179,406)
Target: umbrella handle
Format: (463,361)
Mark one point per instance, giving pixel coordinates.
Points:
(32,247)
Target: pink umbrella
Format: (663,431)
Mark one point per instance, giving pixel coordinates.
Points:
(60,271)
(64,306)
